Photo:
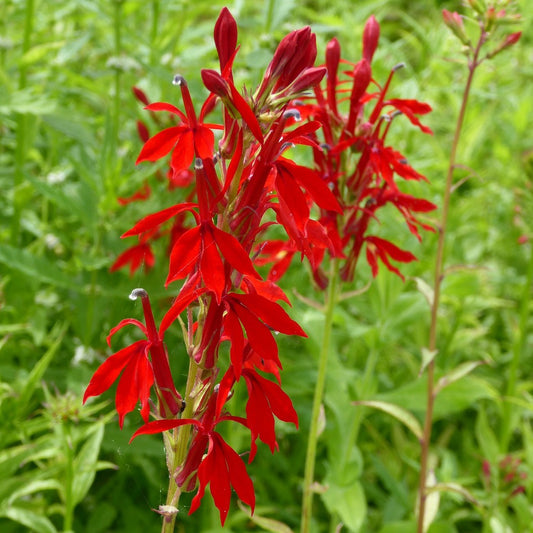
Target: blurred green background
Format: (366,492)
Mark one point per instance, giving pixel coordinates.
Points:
(68,144)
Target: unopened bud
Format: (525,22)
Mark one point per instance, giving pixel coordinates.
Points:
(510,40)
(454,21)
(370,38)
(477,5)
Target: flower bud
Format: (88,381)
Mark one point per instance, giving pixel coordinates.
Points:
(370,38)
(215,83)
(477,5)
(225,36)
(510,40)
(454,21)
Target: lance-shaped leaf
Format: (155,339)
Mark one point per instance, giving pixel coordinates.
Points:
(402,415)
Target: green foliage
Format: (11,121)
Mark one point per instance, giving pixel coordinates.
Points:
(67,149)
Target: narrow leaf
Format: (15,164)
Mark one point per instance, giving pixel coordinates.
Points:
(401,414)
(457,373)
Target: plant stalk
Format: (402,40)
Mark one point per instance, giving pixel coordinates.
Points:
(331,300)
(518,349)
(439,275)
(178,449)
(22,128)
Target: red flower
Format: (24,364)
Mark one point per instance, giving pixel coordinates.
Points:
(136,256)
(382,249)
(191,138)
(139,371)
(221,468)
(265,399)
(136,380)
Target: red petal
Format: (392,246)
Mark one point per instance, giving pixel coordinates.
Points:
(204,142)
(271,313)
(156,219)
(238,476)
(134,385)
(158,426)
(160,144)
(183,153)
(246,113)
(233,329)
(211,266)
(184,299)
(259,336)
(234,253)
(292,199)
(313,183)
(219,478)
(184,255)
(163,106)
(279,401)
(109,370)
(123,323)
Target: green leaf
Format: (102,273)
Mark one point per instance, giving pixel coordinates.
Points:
(73,198)
(486,439)
(38,52)
(432,501)
(455,488)
(33,486)
(427,357)
(85,464)
(26,101)
(35,267)
(32,381)
(426,290)
(457,373)
(348,502)
(401,414)
(398,527)
(28,518)
(456,397)
(71,126)
(268,524)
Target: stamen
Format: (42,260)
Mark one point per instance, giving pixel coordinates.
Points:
(292,113)
(138,293)
(179,81)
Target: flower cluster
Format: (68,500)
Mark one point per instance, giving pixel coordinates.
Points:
(241,184)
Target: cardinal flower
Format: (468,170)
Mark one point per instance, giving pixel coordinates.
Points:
(192,138)
(142,364)
(221,467)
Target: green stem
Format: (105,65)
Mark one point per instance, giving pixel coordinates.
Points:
(518,350)
(178,450)
(154,30)
(118,73)
(69,477)
(22,128)
(331,300)
(439,274)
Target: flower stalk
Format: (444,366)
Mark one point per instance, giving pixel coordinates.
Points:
(485,21)
(318,397)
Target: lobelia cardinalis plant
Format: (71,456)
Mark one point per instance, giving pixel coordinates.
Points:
(241,187)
